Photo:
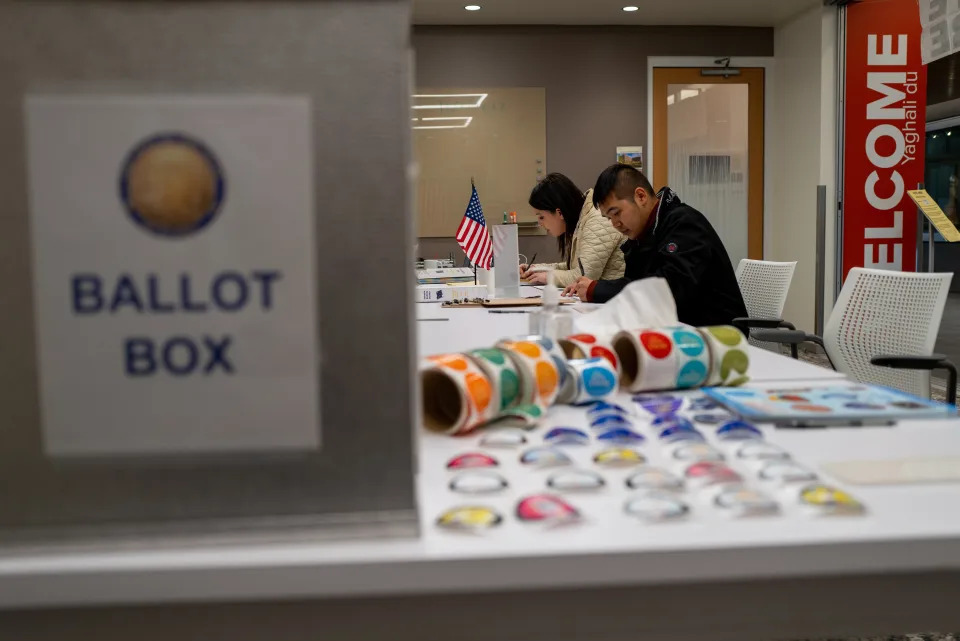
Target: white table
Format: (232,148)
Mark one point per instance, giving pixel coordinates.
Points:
(893,570)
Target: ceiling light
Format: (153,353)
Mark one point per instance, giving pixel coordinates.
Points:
(464,122)
(472,7)
(949,132)
(439,100)
(631,8)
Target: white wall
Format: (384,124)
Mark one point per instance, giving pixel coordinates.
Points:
(805,104)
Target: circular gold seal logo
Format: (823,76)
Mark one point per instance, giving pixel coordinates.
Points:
(172,184)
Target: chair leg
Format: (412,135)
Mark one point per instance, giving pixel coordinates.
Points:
(951,382)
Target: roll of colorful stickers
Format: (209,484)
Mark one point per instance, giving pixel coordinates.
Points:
(729,357)
(457,398)
(582,346)
(540,380)
(525,416)
(648,359)
(595,379)
(502,374)
(549,345)
(693,357)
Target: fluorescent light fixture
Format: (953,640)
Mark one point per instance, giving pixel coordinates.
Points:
(472,7)
(458,100)
(631,9)
(445,122)
(689,93)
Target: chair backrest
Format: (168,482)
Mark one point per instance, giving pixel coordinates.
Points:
(883,312)
(765,285)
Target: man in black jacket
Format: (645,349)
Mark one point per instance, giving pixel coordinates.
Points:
(666,239)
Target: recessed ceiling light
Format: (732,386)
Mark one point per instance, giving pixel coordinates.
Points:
(472,7)
(631,8)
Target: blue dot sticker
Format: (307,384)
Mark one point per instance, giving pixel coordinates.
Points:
(598,381)
(693,374)
(689,342)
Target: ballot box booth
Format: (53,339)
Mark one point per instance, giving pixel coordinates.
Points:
(173,364)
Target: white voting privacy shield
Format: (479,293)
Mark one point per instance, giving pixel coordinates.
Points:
(506,260)
(159,334)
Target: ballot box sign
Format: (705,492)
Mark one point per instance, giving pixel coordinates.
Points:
(174,276)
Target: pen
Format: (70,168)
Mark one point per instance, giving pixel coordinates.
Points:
(582,270)
(507,311)
(532,260)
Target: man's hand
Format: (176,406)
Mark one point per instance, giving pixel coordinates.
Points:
(579,288)
(523,270)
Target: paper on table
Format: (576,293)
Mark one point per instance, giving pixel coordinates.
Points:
(643,303)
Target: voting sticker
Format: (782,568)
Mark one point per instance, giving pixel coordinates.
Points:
(546,508)
(544,457)
(473,459)
(478,482)
(620,436)
(619,457)
(829,500)
(744,502)
(737,430)
(504,438)
(656,506)
(696,451)
(566,436)
(575,481)
(653,478)
(469,518)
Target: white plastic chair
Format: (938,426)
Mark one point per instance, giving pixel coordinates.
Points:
(884,318)
(764,285)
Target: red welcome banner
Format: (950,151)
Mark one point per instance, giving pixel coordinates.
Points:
(886,93)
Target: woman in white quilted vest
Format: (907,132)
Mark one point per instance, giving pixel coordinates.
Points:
(586,239)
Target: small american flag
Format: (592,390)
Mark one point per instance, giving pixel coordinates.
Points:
(472,235)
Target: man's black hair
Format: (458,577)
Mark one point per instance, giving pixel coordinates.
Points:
(620,180)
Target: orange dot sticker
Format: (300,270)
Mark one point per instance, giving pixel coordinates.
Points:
(589,339)
(527,349)
(480,391)
(546,379)
(656,344)
(453,361)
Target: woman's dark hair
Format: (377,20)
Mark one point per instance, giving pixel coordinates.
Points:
(554,192)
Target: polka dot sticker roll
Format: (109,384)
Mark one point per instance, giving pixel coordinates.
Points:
(457,398)
(581,346)
(552,348)
(693,357)
(540,380)
(502,374)
(595,379)
(729,358)
(648,360)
